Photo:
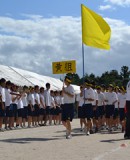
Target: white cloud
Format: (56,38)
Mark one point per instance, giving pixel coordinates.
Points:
(105,7)
(119,2)
(34,43)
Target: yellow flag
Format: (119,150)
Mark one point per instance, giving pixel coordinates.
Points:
(95,30)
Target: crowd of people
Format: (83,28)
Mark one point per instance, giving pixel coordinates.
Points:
(98,107)
(22,107)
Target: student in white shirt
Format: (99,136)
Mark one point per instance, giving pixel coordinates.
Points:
(31,102)
(116,110)
(47,102)
(2,102)
(42,111)
(101,107)
(25,105)
(58,104)
(36,106)
(80,102)
(127,128)
(68,107)
(122,103)
(89,98)
(110,99)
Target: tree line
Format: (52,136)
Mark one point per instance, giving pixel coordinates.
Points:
(108,77)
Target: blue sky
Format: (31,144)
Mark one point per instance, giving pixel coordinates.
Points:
(48,8)
(32,31)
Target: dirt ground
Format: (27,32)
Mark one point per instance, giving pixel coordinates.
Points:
(49,143)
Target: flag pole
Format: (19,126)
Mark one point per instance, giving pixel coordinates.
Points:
(83,55)
(82,47)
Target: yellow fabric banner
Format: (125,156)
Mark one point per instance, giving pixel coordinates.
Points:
(95,30)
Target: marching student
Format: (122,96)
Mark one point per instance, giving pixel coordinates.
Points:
(95,109)
(122,103)
(61,102)
(68,107)
(42,111)
(88,109)
(20,108)
(58,104)
(2,102)
(25,105)
(53,114)
(110,99)
(47,102)
(116,110)
(127,128)
(101,107)
(36,106)
(31,102)
(80,102)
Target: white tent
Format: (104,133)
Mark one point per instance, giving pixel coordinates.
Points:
(23,77)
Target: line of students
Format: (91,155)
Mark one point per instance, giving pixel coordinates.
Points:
(98,108)
(34,105)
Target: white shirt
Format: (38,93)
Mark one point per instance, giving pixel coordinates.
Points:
(68,99)
(8,97)
(89,93)
(101,99)
(2,92)
(122,100)
(110,97)
(31,98)
(61,99)
(57,100)
(95,98)
(117,103)
(52,102)
(14,96)
(24,100)
(80,99)
(20,104)
(128,91)
(42,99)
(37,98)
(47,97)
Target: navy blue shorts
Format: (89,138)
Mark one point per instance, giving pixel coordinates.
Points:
(122,114)
(20,112)
(29,110)
(95,112)
(109,110)
(42,111)
(52,111)
(36,110)
(68,112)
(25,112)
(101,111)
(47,110)
(80,112)
(2,111)
(88,111)
(7,111)
(57,110)
(116,113)
(11,111)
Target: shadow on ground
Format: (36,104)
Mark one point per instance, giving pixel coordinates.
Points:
(28,140)
(112,140)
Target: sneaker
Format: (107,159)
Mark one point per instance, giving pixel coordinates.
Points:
(88,133)
(96,130)
(1,130)
(91,132)
(81,129)
(69,136)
